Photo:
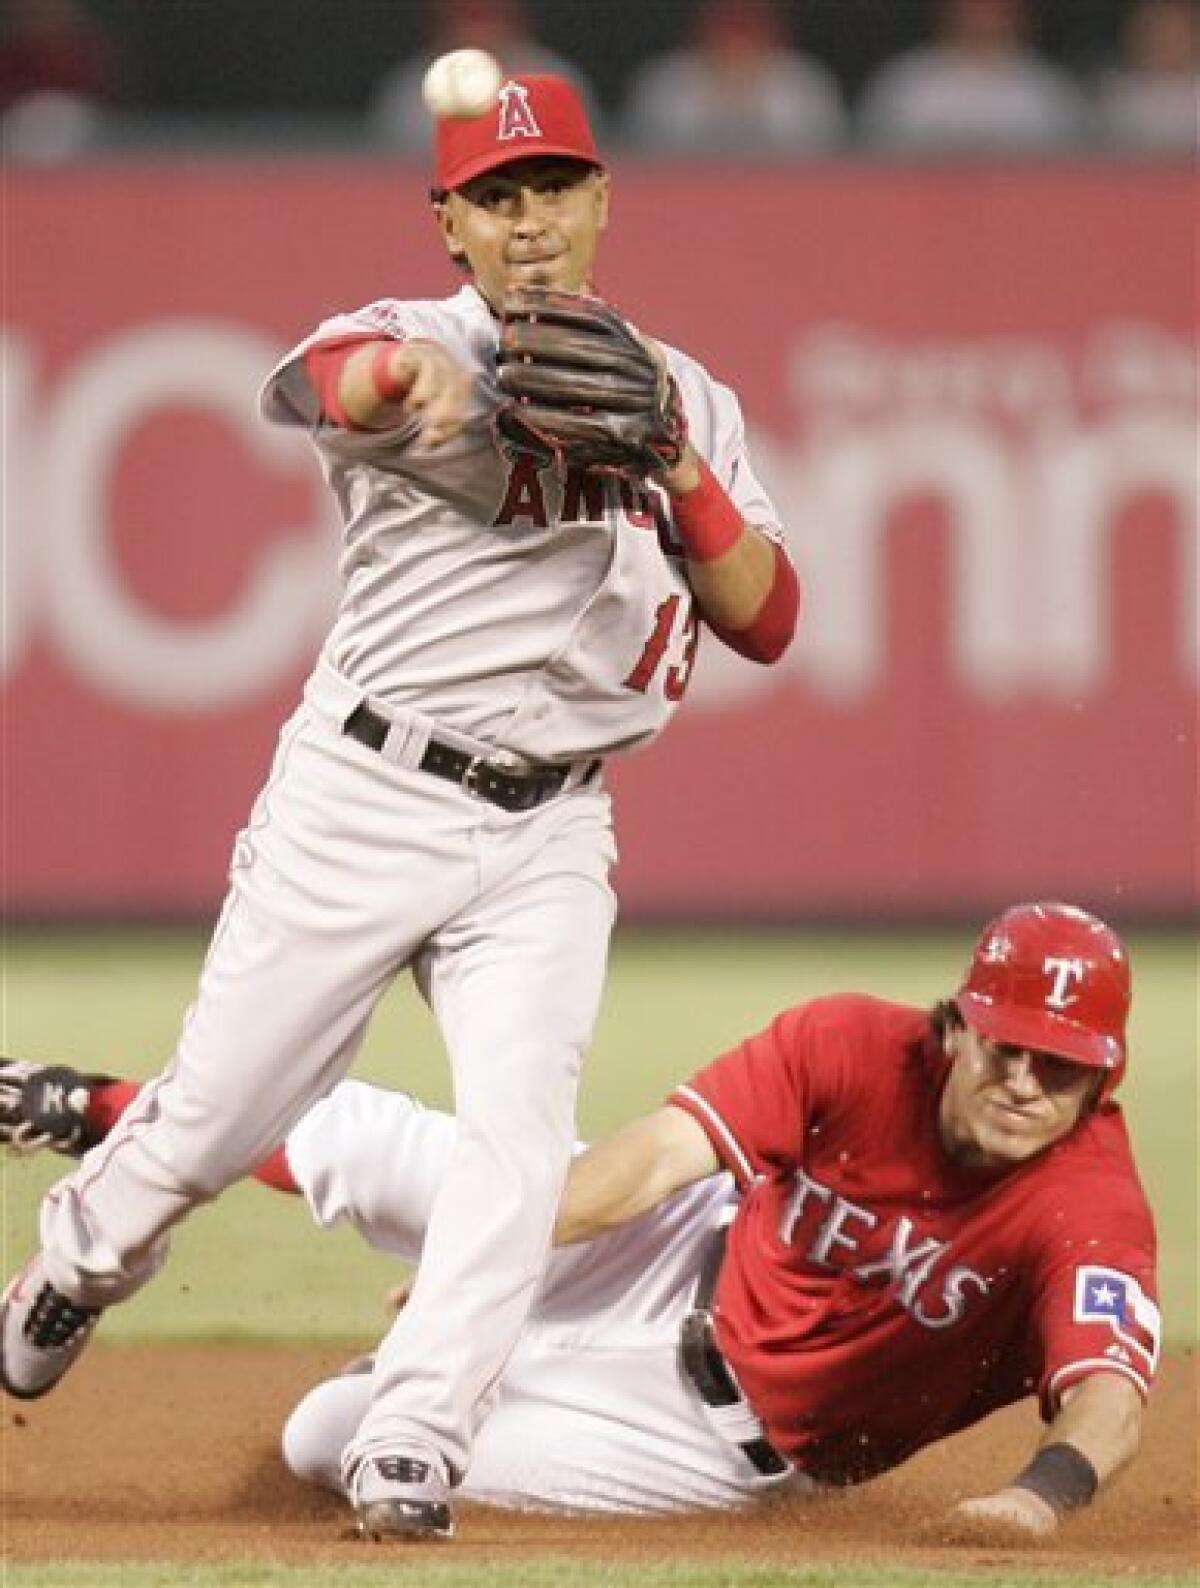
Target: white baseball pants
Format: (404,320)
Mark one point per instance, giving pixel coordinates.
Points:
(352,866)
(593,1413)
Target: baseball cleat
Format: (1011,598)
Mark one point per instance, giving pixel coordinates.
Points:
(397,1497)
(44,1106)
(42,1333)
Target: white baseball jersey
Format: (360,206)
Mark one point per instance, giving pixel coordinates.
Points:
(547,616)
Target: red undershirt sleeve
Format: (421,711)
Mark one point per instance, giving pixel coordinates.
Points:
(324,364)
(770,634)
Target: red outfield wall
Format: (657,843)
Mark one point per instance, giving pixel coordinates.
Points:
(971,392)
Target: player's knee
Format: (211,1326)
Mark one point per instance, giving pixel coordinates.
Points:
(321,1426)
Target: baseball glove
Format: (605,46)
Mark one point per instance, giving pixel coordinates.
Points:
(44,1106)
(583,390)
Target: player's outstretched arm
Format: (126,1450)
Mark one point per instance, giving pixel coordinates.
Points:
(380,384)
(1095,1435)
(632,1171)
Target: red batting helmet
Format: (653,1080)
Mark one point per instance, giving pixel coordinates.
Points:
(1052,978)
(538,114)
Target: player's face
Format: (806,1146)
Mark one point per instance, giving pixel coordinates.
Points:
(1003,1105)
(533,223)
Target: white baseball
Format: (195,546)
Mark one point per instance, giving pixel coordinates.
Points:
(463,83)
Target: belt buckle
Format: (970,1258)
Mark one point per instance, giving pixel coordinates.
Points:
(470,778)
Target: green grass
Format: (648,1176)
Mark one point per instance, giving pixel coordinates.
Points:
(252,1265)
(418,1568)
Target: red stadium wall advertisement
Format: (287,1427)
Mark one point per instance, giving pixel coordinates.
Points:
(971,394)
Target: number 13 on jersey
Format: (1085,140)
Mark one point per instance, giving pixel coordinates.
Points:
(676,676)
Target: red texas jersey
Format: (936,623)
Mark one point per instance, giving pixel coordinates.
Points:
(875,1295)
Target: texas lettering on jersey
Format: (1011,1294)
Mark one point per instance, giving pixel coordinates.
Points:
(834,1227)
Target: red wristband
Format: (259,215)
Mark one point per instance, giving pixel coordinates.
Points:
(709,524)
(389,388)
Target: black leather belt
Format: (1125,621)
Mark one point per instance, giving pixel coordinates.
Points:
(512,791)
(708,1370)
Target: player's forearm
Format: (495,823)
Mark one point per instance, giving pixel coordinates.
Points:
(1094,1435)
(381,384)
(362,386)
(1102,1419)
(732,590)
(619,1179)
(743,582)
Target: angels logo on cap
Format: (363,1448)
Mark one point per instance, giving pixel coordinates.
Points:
(517,119)
(538,114)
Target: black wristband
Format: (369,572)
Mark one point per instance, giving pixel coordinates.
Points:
(1062,1476)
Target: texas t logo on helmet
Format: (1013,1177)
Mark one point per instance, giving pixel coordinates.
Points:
(1063,972)
(1053,978)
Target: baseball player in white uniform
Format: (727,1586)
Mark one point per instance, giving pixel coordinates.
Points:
(509,617)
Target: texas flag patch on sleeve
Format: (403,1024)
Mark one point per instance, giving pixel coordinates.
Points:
(1105,1295)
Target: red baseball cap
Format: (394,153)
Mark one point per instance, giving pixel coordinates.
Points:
(1051,977)
(534,115)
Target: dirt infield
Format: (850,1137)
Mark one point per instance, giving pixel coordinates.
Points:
(167,1453)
